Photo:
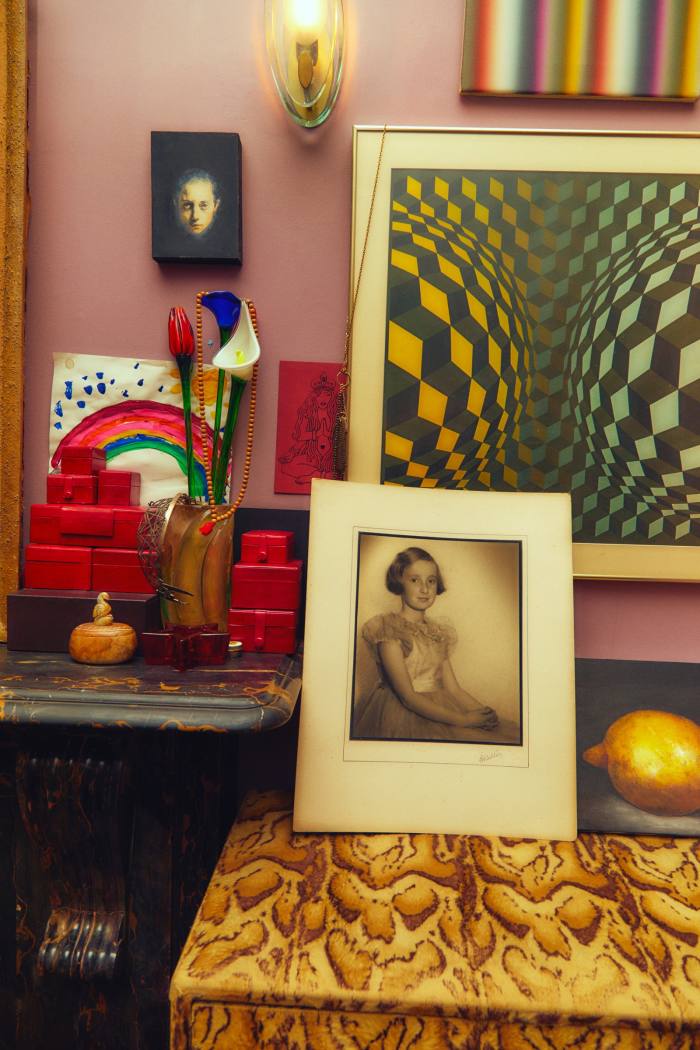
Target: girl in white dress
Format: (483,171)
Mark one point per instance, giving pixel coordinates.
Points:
(417,696)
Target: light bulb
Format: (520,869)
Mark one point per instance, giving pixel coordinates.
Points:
(305,14)
(305,49)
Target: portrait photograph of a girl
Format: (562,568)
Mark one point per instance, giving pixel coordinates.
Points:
(438,640)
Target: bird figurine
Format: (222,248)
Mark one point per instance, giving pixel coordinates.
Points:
(103,641)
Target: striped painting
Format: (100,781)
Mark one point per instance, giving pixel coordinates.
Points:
(593,48)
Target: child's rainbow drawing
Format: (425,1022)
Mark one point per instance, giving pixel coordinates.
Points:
(132,409)
(137,426)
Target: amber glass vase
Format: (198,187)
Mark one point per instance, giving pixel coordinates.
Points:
(197,564)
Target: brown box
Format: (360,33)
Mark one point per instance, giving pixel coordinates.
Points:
(41,621)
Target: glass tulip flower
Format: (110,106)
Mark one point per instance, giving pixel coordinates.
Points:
(226,308)
(236,358)
(181,344)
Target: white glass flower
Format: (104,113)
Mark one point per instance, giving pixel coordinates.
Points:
(239,354)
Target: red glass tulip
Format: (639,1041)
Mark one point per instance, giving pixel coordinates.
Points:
(181,343)
(180,334)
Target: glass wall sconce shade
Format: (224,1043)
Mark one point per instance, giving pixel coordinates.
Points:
(305,49)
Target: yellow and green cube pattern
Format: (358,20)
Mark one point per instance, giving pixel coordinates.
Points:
(543,334)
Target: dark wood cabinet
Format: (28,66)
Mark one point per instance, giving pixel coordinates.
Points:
(117,789)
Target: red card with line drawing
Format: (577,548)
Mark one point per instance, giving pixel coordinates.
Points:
(306,413)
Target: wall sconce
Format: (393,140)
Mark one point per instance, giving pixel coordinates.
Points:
(305,48)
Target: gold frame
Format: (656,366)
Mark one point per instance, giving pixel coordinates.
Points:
(14,214)
(430,147)
(346,783)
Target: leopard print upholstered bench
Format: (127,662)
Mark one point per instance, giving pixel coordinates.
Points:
(429,942)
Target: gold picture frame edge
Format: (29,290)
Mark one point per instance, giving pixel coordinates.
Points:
(591,561)
(13,234)
(635,563)
(545,132)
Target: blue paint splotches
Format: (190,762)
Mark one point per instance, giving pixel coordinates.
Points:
(93,386)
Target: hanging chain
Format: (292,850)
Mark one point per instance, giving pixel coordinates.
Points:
(199,326)
(340,426)
(217,515)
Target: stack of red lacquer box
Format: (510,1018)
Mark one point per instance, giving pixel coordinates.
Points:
(266,593)
(82,541)
(84,537)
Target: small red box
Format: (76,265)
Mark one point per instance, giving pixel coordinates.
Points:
(71,488)
(266,586)
(119,570)
(47,567)
(182,647)
(263,630)
(77,459)
(84,526)
(118,488)
(271,548)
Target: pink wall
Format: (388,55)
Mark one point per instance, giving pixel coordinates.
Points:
(104,75)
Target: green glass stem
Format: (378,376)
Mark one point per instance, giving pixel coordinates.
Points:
(220,386)
(222,466)
(224,336)
(185,368)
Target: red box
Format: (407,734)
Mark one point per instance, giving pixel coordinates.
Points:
(271,548)
(266,586)
(263,630)
(182,647)
(118,488)
(77,459)
(114,569)
(47,568)
(84,526)
(71,488)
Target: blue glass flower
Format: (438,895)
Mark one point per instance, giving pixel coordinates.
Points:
(225,306)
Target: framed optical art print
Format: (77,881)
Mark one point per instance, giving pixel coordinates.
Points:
(438,664)
(529,320)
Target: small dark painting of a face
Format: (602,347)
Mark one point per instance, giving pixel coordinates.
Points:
(197,201)
(196,195)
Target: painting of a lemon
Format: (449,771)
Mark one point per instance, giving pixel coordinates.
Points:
(653,761)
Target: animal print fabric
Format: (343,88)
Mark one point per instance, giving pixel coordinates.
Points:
(440,942)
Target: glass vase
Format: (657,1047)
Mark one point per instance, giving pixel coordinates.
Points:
(198,565)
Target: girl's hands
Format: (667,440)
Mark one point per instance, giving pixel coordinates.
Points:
(475,714)
(481,718)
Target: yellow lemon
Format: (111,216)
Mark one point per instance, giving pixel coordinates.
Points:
(653,760)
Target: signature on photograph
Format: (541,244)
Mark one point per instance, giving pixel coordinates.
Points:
(488,756)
